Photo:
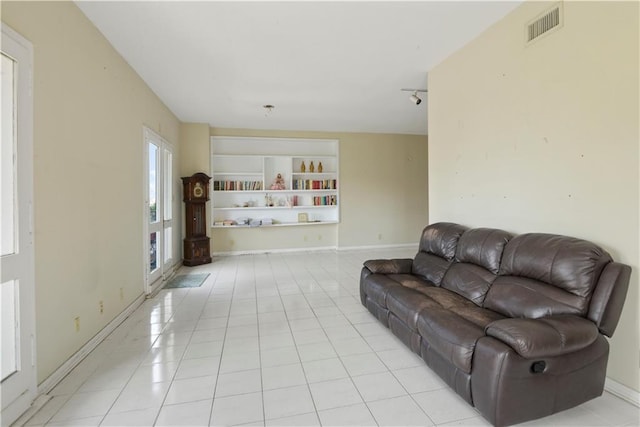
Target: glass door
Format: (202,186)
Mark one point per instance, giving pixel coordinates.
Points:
(17,279)
(158,237)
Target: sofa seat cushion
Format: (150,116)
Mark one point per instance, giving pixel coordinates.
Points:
(454,331)
(450,335)
(407,304)
(378,286)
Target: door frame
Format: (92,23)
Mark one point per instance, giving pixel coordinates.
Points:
(22,50)
(166,268)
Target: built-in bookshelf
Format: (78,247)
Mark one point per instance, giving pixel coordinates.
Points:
(274,182)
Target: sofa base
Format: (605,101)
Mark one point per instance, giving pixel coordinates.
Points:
(506,390)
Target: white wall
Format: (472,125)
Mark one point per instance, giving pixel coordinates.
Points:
(545,138)
(89,108)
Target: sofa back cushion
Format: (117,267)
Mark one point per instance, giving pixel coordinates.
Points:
(546,274)
(478,256)
(437,250)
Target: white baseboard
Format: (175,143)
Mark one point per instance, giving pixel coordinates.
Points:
(48,384)
(622,391)
(159,284)
(36,405)
(375,247)
(277,251)
(318,249)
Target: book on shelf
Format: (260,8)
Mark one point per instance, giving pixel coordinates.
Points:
(314,184)
(237,185)
(325,200)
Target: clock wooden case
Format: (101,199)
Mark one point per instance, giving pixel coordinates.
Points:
(195,197)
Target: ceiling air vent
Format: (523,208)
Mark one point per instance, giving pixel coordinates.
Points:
(545,23)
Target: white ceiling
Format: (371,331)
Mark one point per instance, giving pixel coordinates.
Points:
(326,66)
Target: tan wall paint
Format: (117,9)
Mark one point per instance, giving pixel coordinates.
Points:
(89,109)
(383,192)
(194,148)
(545,138)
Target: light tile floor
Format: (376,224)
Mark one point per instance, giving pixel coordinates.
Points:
(270,340)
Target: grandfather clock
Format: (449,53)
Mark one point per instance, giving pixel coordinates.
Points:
(196,242)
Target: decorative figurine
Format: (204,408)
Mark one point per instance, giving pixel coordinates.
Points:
(311,167)
(320,167)
(303,168)
(278,184)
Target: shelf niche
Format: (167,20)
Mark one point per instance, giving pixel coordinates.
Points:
(245,168)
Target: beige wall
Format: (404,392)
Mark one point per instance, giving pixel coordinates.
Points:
(383,192)
(89,109)
(545,138)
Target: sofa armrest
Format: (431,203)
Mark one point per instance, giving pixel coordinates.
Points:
(544,337)
(389,266)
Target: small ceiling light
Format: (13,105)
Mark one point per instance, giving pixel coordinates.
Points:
(414,96)
(268,109)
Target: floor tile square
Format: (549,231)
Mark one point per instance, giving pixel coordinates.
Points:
(354,415)
(284,402)
(349,346)
(306,420)
(309,336)
(135,418)
(401,358)
(398,411)
(419,379)
(140,396)
(268,342)
(84,405)
(324,370)
(191,389)
(203,349)
(282,376)
(316,351)
(279,356)
(381,385)
(334,393)
(361,364)
(241,382)
(304,324)
(190,368)
(233,362)
(185,414)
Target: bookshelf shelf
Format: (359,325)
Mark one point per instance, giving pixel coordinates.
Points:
(246,185)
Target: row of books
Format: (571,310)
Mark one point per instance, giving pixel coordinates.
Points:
(325,200)
(314,184)
(237,185)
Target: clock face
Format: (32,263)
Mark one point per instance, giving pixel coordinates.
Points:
(198,191)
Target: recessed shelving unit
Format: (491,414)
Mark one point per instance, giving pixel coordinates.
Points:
(245,190)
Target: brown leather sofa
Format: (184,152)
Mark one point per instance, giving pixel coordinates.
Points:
(515,325)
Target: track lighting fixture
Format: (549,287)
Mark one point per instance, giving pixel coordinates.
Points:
(414,96)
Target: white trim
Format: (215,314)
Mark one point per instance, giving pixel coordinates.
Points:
(622,391)
(318,249)
(19,390)
(48,384)
(375,247)
(159,284)
(276,251)
(37,404)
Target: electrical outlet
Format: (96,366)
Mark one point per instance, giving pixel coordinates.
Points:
(101,307)
(77,322)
